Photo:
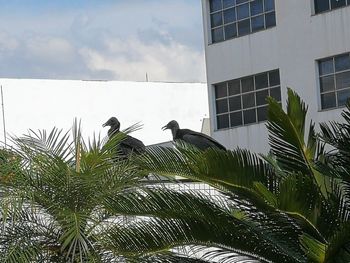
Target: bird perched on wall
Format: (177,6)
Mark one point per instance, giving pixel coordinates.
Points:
(129,144)
(199,140)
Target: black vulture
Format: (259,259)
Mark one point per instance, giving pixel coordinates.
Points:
(129,144)
(197,139)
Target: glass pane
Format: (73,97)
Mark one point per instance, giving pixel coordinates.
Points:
(326,66)
(249,116)
(274,77)
(235,103)
(262,113)
(247,84)
(244,27)
(216,19)
(228,3)
(229,15)
(342,80)
(230,31)
(269,5)
(261,81)
(321,5)
(258,23)
(327,83)
(234,87)
(342,62)
(337,3)
(328,100)
(270,19)
(236,119)
(343,96)
(215,5)
(241,1)
(223,121)
(221,106)
(256,7)
(220,90)
(217,34)
(248,100)
(276,93)
(261,97)
(243,11)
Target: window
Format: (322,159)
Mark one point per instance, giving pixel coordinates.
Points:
(325,5)
(234,18)
(243,101)
(334,81)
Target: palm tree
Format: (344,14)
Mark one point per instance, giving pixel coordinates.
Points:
(289,206)
(64,200)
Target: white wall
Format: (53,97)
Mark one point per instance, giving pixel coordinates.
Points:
(293,46)
(43,104)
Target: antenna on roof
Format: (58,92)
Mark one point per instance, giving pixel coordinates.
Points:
(3,114)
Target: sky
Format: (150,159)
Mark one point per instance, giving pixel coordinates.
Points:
(102,40)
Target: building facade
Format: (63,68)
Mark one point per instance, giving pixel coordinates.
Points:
(258,48)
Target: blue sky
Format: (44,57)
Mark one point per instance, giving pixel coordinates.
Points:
(102,39)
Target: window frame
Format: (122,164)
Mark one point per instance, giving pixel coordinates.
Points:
(313,3)
(334,74)
(241,110)
(223,25)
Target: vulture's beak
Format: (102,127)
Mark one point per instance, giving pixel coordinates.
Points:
(105,124)
(165,127)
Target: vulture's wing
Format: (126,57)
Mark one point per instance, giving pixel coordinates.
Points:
(200,140)
(131,144)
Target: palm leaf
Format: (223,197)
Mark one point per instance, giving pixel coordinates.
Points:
(338,249)
(314,249)
(286,137)
(238,168)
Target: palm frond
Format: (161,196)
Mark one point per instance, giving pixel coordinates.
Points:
(55,143)
(163,203)
(314,249)
(27,235)
(287,139)
(238,168)
(338,249)
(200,254)
(337,136)
(286,133)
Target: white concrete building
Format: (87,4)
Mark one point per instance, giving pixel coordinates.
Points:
(256,48)
(44,104)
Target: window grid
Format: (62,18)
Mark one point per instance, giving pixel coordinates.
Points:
(241,97)
(246,93)
(270,86)
(330,3)
(335,91)
(237,20)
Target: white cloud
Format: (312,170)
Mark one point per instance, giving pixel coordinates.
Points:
(114,40)
(57,50)
(130,59)
(7,42)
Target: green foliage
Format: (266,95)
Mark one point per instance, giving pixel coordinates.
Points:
(314,249)
(290,206)
(64,200)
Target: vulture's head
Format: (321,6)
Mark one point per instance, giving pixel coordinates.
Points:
(113,123)
(173,126)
